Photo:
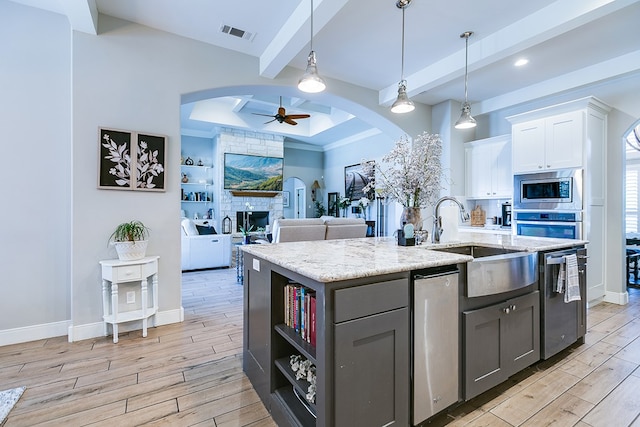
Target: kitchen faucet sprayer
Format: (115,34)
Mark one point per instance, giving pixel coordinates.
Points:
(437,219)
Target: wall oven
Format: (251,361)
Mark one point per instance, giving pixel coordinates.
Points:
(549,190)
(564,225)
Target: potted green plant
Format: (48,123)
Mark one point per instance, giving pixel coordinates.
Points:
(246,237)
(130,240)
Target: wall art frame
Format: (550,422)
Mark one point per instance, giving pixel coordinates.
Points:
(355,180)
(285,199)
(130,160)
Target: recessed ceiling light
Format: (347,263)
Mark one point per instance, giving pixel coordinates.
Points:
(520,62)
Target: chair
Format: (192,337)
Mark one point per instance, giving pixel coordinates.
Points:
(633,256)
(203,248)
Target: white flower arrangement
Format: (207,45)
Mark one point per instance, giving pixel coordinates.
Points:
(305,370)
(414,171)
(344,202)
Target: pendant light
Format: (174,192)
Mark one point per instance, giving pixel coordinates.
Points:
(466,121)
(311,82)
(402,104)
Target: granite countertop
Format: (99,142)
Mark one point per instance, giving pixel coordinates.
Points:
(344,259)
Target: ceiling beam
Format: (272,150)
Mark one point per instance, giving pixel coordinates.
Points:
(600,73)
(83,15)
(295,34)
(541,26)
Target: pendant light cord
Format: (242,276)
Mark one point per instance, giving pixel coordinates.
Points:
(466,62)
(312,25)
(402,61)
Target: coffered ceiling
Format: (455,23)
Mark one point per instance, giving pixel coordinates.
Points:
(589,47)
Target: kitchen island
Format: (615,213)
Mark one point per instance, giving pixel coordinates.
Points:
(363,293)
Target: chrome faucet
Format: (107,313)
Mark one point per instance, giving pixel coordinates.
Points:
(437,219)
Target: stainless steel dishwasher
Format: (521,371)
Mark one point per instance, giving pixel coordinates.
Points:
(435,342)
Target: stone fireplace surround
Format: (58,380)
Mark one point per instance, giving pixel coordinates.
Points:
(243,142)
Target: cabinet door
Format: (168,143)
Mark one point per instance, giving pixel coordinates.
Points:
(371,373)
(528,146)
(483,362)
(502,177)
(257,330)
(522,333)
(564,140)
(479,171)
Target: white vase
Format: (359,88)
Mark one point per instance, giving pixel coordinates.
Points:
(131,251)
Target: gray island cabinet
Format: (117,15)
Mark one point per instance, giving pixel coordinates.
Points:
(363,294)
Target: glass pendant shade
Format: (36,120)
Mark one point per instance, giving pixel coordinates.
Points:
(311,82)
(402,104)
(466,120)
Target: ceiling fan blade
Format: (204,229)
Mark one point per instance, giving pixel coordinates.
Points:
(298,116)
(270,121)
(288,120)
(266,115)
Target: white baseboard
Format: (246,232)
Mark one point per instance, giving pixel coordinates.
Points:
(82,332)
(33,333)
(620,298)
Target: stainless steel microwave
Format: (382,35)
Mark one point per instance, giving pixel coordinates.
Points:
(549,190)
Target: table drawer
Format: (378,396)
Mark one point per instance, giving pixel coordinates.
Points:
(127,273)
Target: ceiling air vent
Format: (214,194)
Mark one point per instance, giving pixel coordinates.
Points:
(236,32)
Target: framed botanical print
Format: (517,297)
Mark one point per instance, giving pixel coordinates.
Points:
(131,160)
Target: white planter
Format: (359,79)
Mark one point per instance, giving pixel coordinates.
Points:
(130,251)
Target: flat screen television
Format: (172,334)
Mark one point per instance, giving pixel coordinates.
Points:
(255,173)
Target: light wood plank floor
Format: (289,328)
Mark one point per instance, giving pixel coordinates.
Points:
(190,374)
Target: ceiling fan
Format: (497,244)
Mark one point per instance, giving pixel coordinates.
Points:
(283,117)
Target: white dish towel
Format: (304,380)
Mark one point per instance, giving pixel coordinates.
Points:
(568,281)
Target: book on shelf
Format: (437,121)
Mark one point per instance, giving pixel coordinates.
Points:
(299,310)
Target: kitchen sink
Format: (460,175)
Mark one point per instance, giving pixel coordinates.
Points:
(496,270)
(475,251)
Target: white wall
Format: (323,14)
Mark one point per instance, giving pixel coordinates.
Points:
(35,176)
(57,89)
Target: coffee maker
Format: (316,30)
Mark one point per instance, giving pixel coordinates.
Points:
(506,214)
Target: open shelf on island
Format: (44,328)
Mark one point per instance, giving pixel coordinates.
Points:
(296,340)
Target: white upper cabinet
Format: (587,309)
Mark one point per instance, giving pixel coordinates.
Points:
(551,143)
(488,168)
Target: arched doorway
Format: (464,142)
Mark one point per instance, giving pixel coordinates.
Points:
(294,196)
(631,206)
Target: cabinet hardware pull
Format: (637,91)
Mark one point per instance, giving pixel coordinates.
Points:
(506,310)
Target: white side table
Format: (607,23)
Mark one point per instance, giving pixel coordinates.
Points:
(114,272)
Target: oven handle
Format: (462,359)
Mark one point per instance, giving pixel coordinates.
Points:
(554,260)
(573,223)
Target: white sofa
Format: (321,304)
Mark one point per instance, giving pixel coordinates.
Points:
(324,228)
(345,228)
(203,250)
